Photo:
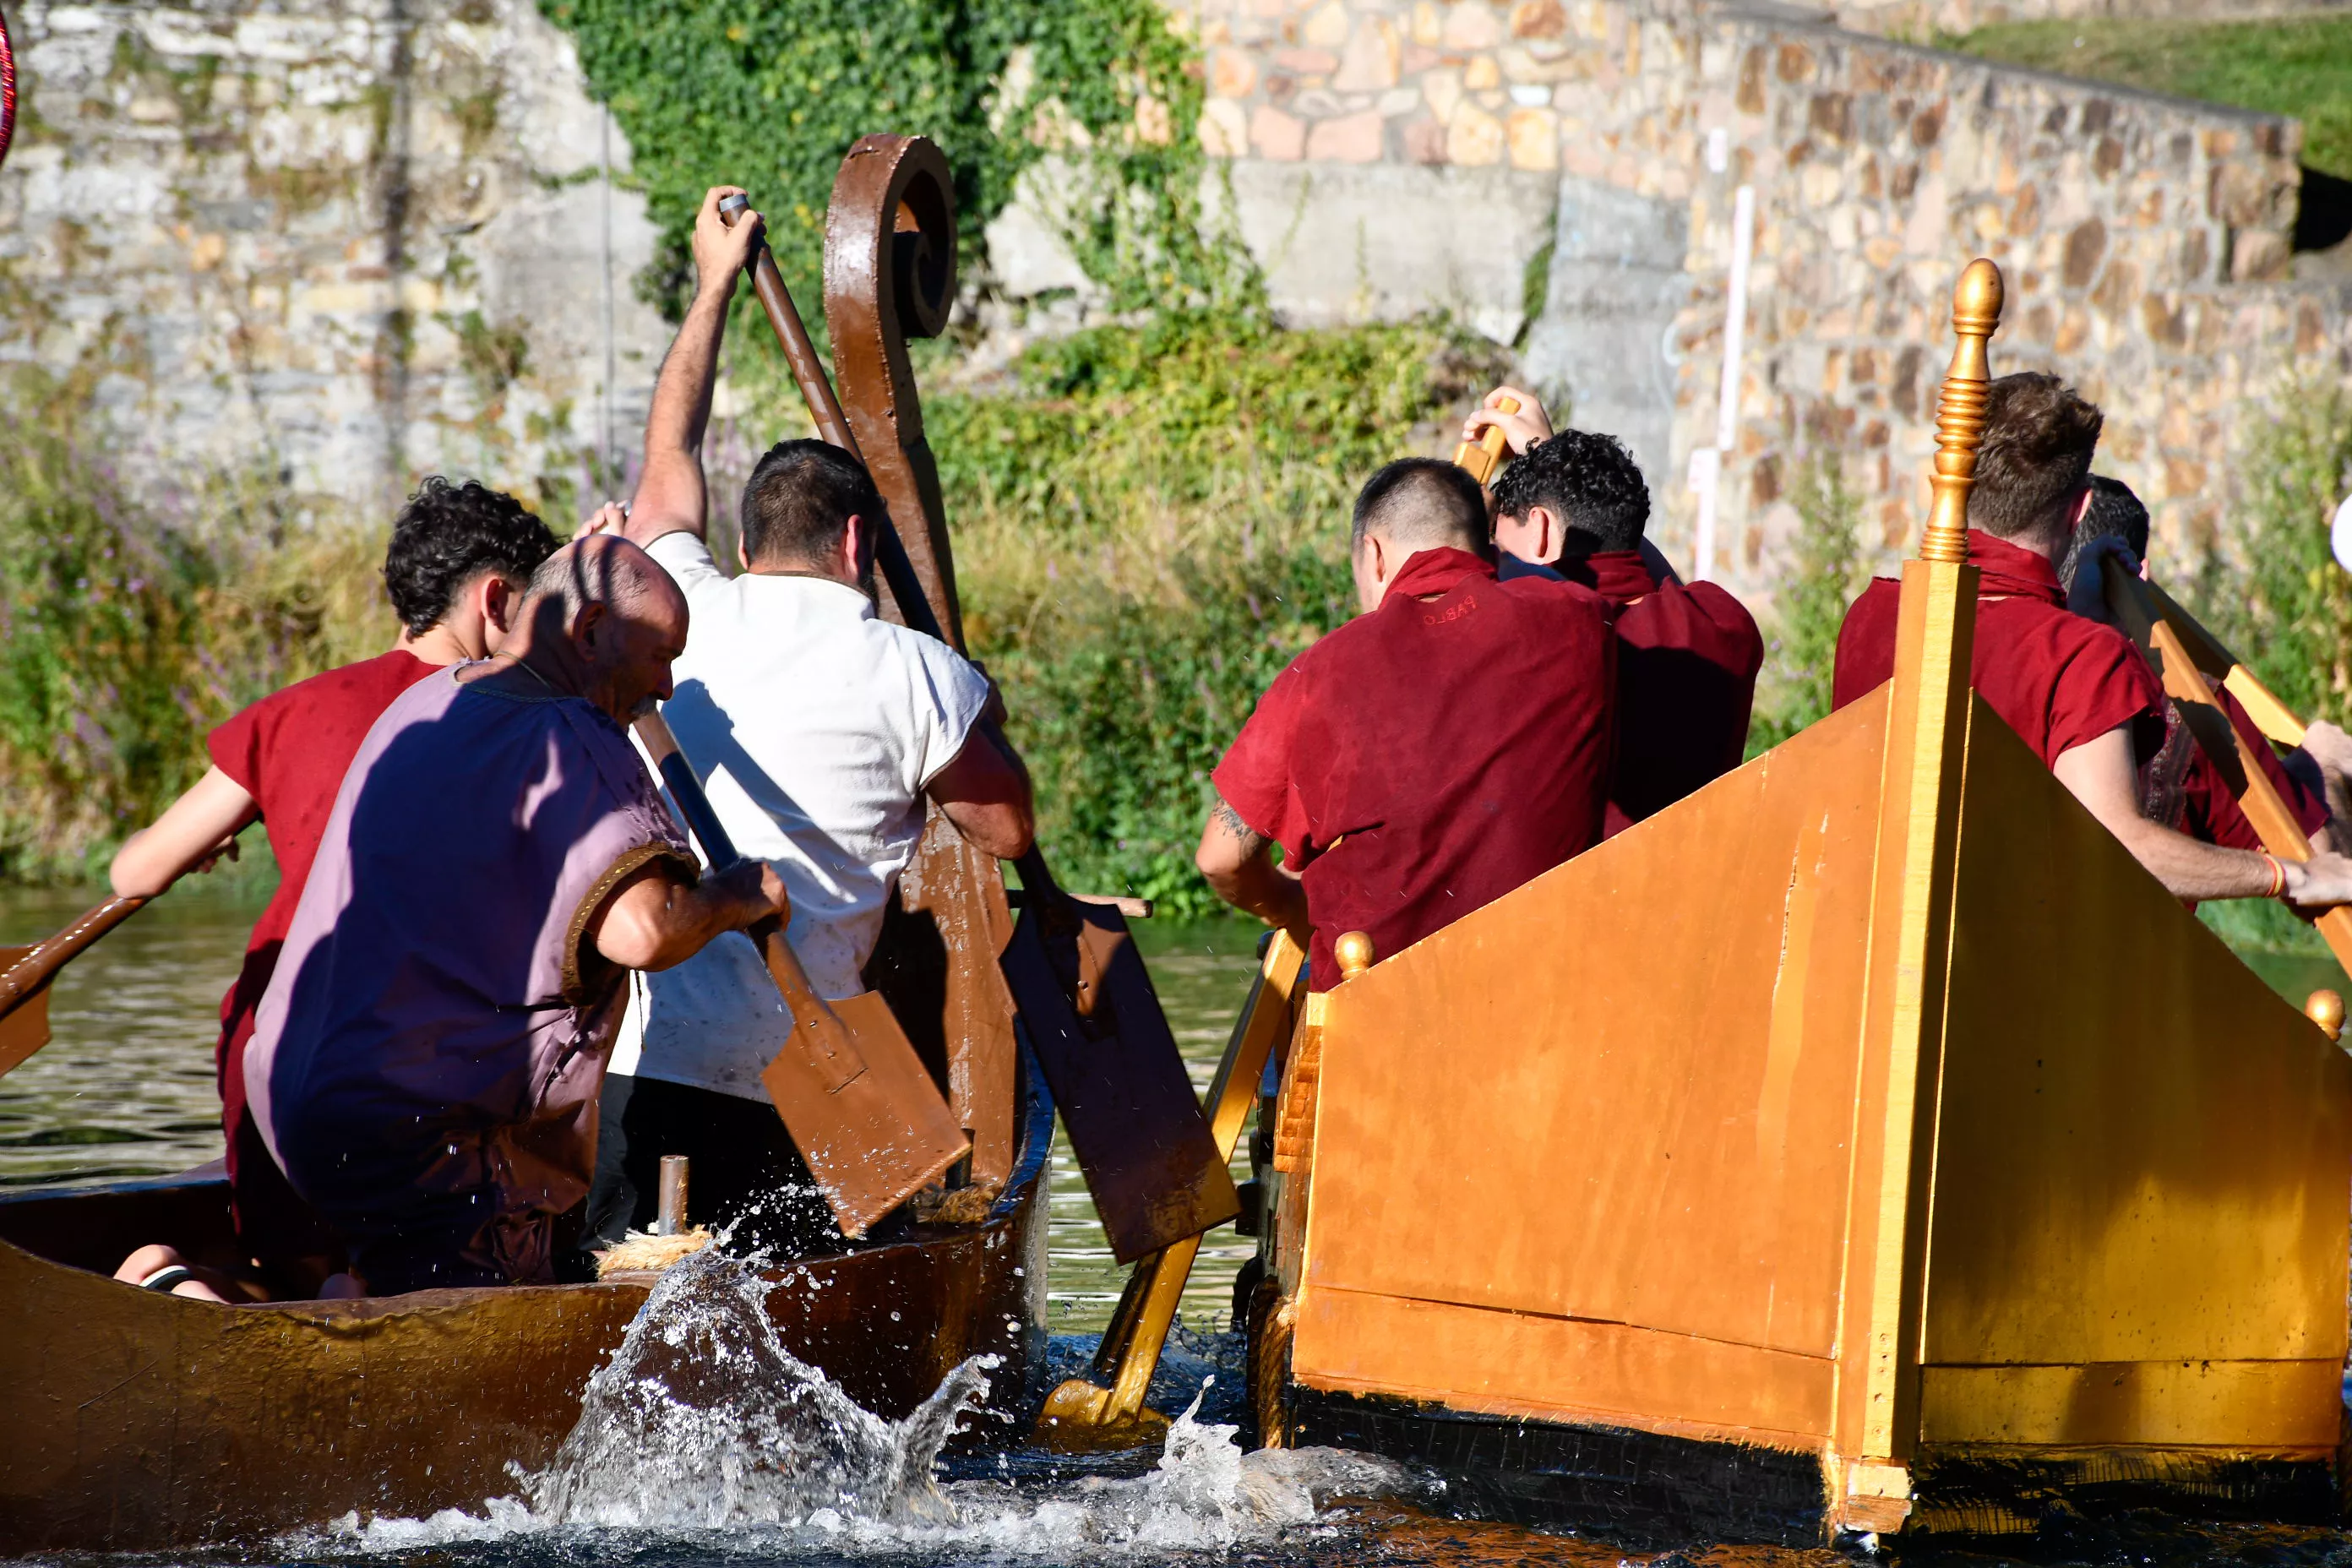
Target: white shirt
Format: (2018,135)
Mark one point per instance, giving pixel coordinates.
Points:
(815,726)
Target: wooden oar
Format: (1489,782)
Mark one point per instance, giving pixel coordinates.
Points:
(1093,1019)
(1485,455)
(1083,1415)
(859,1103)
(2273,718)
(2135,606)
(24,988)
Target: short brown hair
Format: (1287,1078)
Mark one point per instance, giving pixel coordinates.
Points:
(2039,435)
(799,499)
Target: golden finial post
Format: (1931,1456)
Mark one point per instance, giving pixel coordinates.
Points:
(2326,1008)
(1960,412)
(1354,952)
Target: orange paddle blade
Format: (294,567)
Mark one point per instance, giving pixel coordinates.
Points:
(862,1108)
(24,1029)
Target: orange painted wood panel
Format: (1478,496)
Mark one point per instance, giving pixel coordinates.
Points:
(2143,1153)
(1559,1368)
(1625,1092)
(2268,1404)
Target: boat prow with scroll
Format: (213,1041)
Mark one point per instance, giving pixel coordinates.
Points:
(138,1421)
(1866,1142)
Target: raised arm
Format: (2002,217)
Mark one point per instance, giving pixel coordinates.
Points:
(671,495)
(194,831)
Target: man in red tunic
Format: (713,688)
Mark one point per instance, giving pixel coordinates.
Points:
(459,558)
(1574,507)
(1446,746)
(2076,691)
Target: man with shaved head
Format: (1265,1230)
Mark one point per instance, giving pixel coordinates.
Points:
(1446,746)
(425,1063)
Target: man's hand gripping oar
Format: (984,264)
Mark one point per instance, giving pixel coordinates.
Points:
(858,1102)
(2166,631)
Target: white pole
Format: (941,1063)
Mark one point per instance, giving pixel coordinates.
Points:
(1707,463)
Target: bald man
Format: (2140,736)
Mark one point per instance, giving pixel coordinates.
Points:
(1446,745)
(425,1063)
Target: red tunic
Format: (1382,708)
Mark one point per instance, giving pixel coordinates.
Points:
(1429,757)
(2210,812)
(1686,661)
(290,753)
(2056,679)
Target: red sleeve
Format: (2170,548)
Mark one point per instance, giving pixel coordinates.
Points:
(2107,682)
(1256,778)
(1865,643)
(237,744)
(2310,810)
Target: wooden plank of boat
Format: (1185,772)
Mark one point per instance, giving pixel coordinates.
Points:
(139,1422)
(1935,1171)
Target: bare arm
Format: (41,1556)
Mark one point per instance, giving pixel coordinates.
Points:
(985,793)
(671,495)
(653,922)
(1239,864)
(192,833)
(2099,773)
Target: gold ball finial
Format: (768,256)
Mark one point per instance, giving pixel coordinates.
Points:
(2325,1009)
(1354,952)
(1977,299)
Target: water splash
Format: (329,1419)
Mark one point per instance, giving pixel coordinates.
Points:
(703,1429)
(702,1419)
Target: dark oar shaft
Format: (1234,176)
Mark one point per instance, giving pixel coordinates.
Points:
(36,968)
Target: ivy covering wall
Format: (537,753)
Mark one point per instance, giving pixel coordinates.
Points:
(768,94)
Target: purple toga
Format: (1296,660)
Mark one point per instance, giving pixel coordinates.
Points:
(425,1063)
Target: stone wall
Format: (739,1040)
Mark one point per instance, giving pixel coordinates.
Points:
(2146,240)
(1925,18)
(350,241)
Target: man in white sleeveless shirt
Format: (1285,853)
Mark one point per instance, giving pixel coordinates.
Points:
(818,729)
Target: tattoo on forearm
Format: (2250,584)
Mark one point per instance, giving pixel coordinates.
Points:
(1230,821)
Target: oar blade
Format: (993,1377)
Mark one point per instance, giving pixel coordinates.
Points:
(1117,1077)
(26,1028)
(877,1137)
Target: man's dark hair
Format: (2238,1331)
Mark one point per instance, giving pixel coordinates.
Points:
(2114,511)
(1424,502)
(1590,480)
(799,499)
(2039,439)
(446,536)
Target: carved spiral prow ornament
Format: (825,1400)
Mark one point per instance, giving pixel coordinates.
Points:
(1960,412)
(889,275)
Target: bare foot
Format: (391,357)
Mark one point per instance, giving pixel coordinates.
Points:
(152,1265)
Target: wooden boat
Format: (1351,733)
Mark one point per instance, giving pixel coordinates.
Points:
(1865,1143)
(138,1421)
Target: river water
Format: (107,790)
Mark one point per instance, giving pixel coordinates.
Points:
(125,1088)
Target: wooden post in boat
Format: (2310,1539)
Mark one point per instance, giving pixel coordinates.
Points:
(670,1218)
(1927,739)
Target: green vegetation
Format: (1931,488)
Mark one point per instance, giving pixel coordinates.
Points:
(2300,66)
(1824,576)
(768,94)
(1150,525)
(2279,601)
(125,634)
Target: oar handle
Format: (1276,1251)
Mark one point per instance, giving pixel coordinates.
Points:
(1485,455)
(686,790)
(35,969)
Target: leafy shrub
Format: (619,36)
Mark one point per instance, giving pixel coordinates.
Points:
(1150,523)
(1824,574)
